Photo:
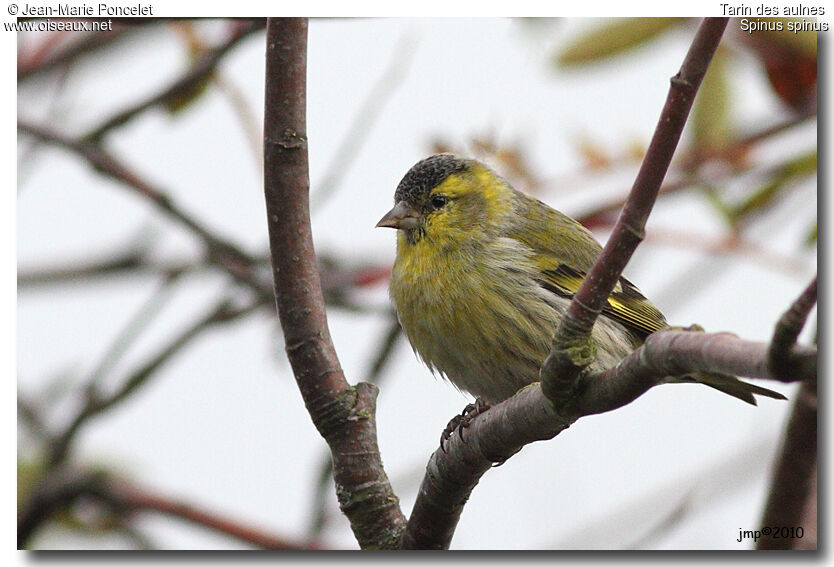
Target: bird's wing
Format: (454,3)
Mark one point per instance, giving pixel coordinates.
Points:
(562,263)
(625,304)
(535,225)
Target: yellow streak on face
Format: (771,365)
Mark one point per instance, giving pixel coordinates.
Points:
(478,202)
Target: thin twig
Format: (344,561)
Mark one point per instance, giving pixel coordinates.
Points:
(393,335)
(132,499)
(692,161)
(220,250)
(572,350)
(450,479)
(62,488)
(363,123)
(697,157)
(131,331)
(245,114)
(732,246)
(667,523)
(337,279)
(780,357)
(29,412)
(201,68)
(87,45)
(97,403)
(129,262)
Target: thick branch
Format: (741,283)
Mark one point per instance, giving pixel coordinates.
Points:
(793,494)
(325,468)
(677,353)
(344,415)
(571,351)
(451,475)
(529,416)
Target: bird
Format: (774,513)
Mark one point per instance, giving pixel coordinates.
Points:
(484,273)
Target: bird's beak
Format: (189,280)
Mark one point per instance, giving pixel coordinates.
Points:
(402,216)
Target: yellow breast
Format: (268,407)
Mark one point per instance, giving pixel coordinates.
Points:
(475,315)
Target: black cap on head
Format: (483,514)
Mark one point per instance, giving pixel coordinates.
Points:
(427,174)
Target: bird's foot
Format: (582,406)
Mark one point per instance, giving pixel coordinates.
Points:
(462,421)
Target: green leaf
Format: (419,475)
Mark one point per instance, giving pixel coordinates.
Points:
(616,37)
(811,237)
(711,120)
(184,98)
(779,180)
(28,475)
(714,198)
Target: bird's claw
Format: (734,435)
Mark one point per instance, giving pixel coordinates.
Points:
(462,421)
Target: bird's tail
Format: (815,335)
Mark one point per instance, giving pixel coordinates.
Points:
(731,385)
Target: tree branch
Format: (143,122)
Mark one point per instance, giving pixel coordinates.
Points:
(572,348)
(133,329)
(539,411)
(451,475)
(793,494)
(343,415)
(693,160)
(780,357)
(383,355)
(61,489)
(130,498)
(201,68)
(792,501)
(122,261)
(97,403)
(677,353)
(529,416)
(55,492)
(87,45)
(235,261)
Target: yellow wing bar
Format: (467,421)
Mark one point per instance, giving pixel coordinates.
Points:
(626,304)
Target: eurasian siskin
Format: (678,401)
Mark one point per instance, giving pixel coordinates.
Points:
(483,274)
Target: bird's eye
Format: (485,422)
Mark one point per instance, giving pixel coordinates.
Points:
(438,201)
